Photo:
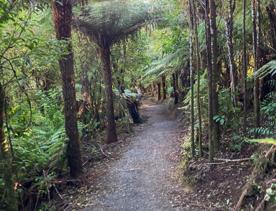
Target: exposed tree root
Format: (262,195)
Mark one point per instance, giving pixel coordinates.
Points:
(258,170)
(223,161)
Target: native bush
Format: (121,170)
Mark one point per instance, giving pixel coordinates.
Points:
(39,148)
(229,114)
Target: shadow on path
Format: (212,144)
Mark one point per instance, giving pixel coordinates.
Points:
(142,178)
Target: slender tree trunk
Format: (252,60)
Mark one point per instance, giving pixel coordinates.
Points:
(271,11)
(192,77)
(198,78)
(177,81)
(98,103)
(6,161)
(229,37)
(244,67)
(123,70)
(107,76)
(256,52)
(86,103)
(62,13)
(215,70)
(210,81)
(159,91)
(164,87)
(85,85)
(175,92)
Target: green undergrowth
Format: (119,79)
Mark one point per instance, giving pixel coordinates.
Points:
(38,141)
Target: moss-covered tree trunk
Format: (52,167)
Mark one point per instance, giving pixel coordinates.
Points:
(107,76)
(62,14)
(10,197)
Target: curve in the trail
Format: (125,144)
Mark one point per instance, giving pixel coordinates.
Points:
(141,178)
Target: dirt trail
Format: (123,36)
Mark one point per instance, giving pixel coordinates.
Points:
(142,179)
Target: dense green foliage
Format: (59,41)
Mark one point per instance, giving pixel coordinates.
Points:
(149,42)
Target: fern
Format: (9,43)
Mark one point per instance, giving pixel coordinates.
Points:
(267,69)
(261,131)
(39,148)
(168,63)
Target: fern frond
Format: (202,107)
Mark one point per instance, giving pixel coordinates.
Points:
(267,69)
(169,62)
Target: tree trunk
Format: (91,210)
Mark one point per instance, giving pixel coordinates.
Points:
(215,70)
(152,89)
(210,81)
(86,103)
(192,77)
(229,37)
(159,91)
(256,52)
(197,54)
(107,76)
(177,81)
(85,85)
(5,157)
(175,92)
(62,13)
(244,67)
(271,11)
(164,87)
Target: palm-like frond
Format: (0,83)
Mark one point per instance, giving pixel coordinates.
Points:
(109,21)
(166,64)
(267,69)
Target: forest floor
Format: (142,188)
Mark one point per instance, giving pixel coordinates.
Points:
(143,172)
(144,175)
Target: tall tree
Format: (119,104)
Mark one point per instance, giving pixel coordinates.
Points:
(255,4)
(62,15)
(191,61)
(229,23)
(215,69)
(107,77)
(210,81)
(197,56)
(244,68)
(271,11)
